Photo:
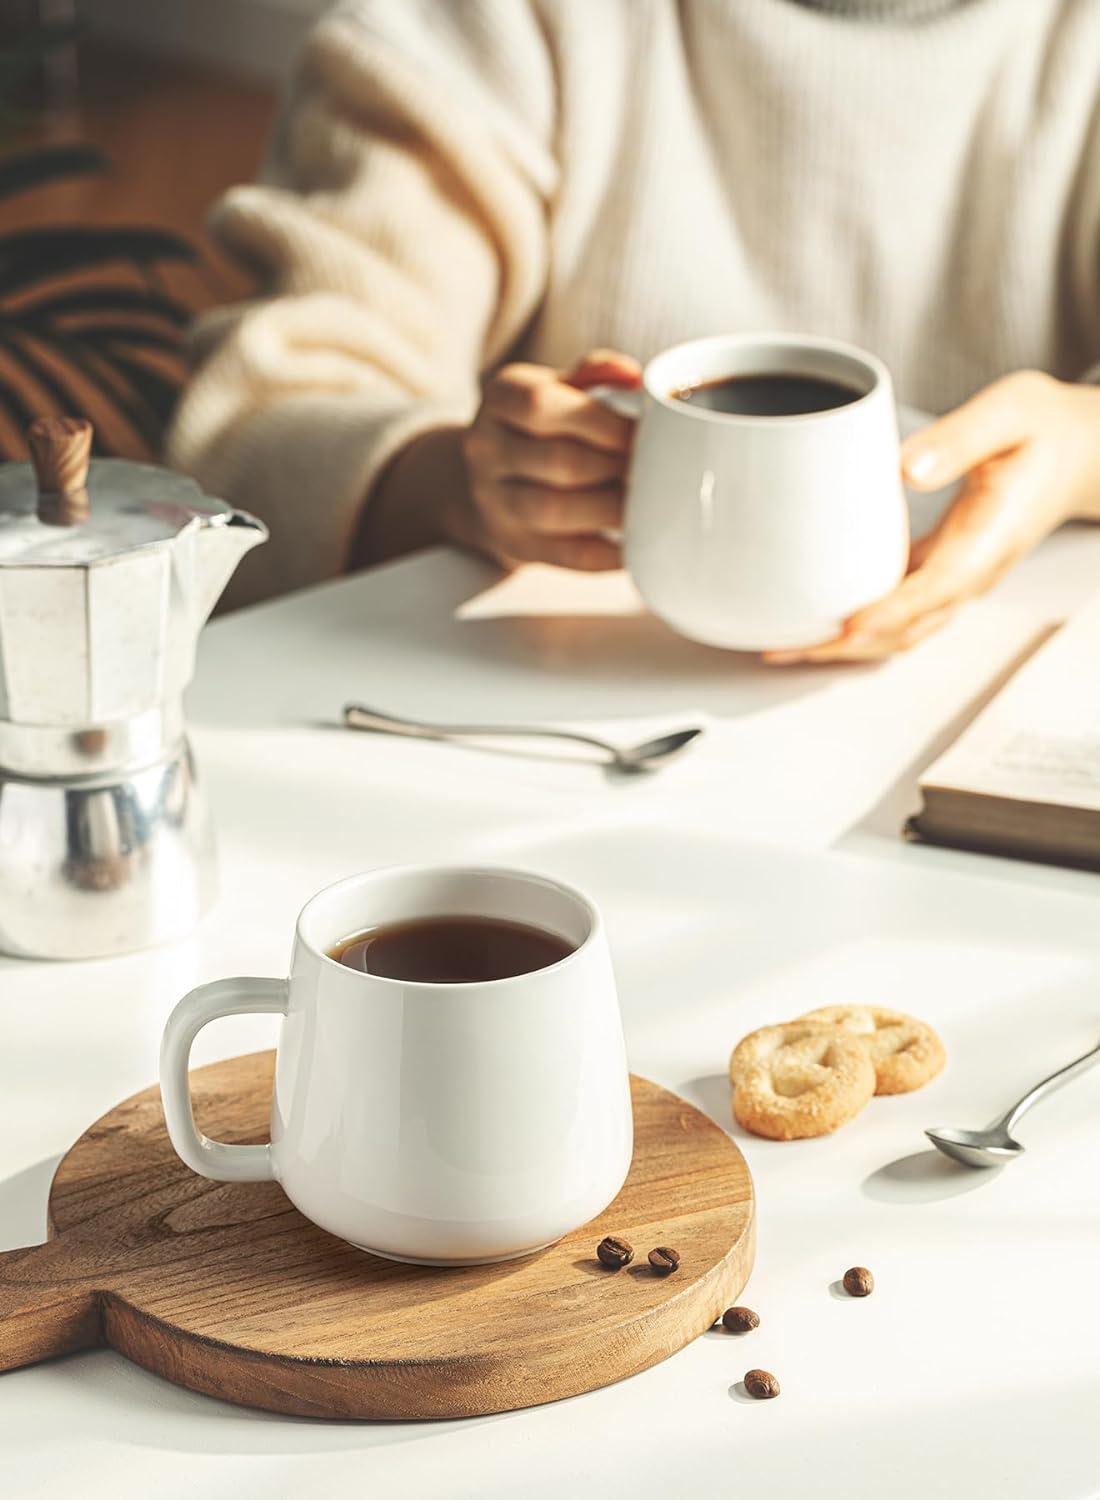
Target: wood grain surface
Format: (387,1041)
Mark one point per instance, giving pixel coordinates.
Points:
(227,1289)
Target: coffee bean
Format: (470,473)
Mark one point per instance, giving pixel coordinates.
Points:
(740,1319)
(664,1260)
(858,1282)
(761,1384)
(614,1253)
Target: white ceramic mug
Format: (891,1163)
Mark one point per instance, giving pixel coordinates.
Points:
(757,532)
(446,1124)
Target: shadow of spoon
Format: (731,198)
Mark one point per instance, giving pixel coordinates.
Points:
(923,1177)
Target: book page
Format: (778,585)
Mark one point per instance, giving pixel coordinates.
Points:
(1039,740)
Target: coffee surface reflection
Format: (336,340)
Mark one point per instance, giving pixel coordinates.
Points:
(451,950)
(769,395)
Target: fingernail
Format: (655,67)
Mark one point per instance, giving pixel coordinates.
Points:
(923,464)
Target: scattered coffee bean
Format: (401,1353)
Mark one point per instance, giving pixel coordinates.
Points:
(614,1253)
(858,1282)
(739,1320)
(761,1384)
(663,1260)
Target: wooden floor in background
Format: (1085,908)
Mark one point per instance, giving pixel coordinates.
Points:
(178,135)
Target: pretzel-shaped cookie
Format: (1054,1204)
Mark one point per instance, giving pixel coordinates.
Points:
(799,1079)
(762,1046)
(906,1053)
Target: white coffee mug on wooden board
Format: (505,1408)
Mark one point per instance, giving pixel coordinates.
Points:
(445,1124)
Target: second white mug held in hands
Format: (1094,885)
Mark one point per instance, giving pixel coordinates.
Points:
(763,532)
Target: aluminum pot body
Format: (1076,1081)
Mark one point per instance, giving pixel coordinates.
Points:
(104,864)
(105,840)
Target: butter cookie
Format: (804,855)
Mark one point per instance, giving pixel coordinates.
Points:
(906,1053)
(805,1084)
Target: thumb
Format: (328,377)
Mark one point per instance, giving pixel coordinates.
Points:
(997,419)
(604,367)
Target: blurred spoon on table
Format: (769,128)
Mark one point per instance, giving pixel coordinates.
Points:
(650,755)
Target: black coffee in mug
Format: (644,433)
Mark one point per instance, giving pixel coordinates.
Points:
(769,395)
(451,950)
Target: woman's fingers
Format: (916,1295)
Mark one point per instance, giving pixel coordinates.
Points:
(546,464)
(558,462)
(933,590)
(996,420)
(978,538)
(553,512)
(919,549)
(536,401)
(917,606)
(585,554)
(605,367)
(846,648)
(1029,447)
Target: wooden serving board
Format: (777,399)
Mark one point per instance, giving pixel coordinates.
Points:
(227,1289)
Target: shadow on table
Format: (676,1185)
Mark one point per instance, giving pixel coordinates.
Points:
(921,1177)
(104,1394)
(593,637)
(887,817)
(647,667)
(711,1093)
(414,639)
(23,1204)
(597,665)
(443,635)
(924,1177)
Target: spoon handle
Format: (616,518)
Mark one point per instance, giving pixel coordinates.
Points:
(1047,1086)
(358,716)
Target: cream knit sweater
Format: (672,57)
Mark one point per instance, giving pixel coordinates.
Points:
(457,182)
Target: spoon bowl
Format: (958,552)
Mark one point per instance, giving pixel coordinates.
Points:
(994,1146)
(651,755)
(975,1148)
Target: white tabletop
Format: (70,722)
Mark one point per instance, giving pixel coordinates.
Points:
(760,877)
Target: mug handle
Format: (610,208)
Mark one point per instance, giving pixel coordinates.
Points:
(628,401)
(225,997)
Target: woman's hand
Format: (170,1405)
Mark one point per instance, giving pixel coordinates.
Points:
(545,465)
(1029,446)
(536,477)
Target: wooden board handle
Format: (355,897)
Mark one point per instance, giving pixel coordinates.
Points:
(48,1303)
(60,448)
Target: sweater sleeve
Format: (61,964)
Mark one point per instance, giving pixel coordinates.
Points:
(400,235)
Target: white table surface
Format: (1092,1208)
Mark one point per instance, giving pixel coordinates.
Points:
(760,877)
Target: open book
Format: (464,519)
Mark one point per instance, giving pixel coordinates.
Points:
(1024,778)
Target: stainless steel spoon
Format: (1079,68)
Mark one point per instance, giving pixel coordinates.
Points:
(994,1146)
(650,755)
